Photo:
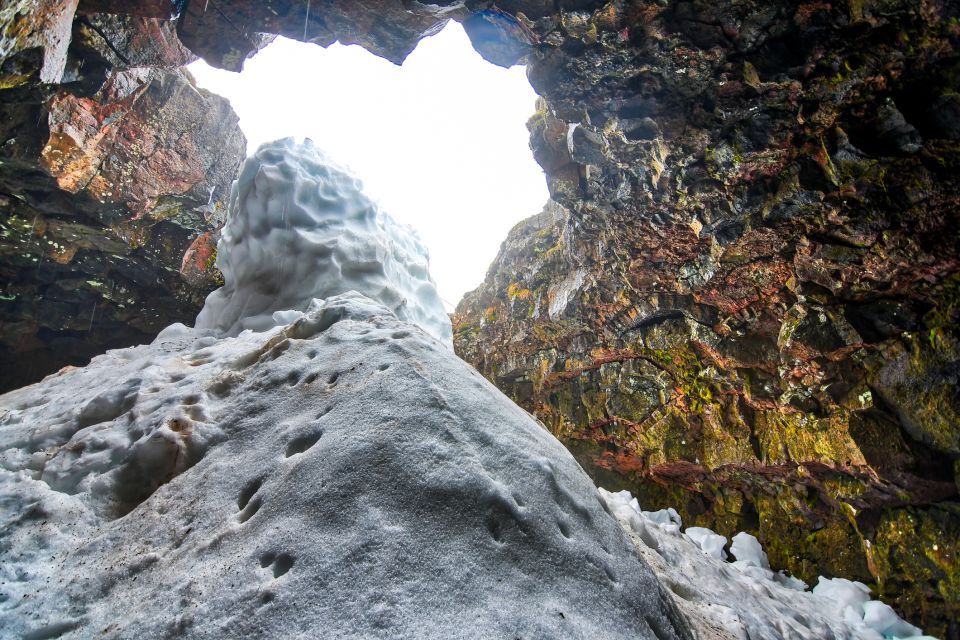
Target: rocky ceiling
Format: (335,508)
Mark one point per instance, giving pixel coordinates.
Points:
(743,302)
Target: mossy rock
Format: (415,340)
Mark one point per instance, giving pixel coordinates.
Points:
(920,381)
(917,555)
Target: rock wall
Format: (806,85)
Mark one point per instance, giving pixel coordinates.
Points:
(744,300)
(114,172)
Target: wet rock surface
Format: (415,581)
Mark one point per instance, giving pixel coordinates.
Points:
(227,32)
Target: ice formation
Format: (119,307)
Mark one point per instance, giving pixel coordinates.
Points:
(744,599)
(344,475)
(299,227)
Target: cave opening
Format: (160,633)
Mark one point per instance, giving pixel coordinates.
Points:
(742,306)
(439,141)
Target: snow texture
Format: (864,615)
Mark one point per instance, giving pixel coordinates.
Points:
(299,227)
(745,600)
(344,475)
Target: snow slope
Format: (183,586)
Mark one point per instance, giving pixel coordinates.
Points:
(340,476)
(299,227)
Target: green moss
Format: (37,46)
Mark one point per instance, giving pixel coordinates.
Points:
(917,556)
(692,379)
(211,260)
(698,393)
(917,380)
(833,548)
(796,437)
(843,74)
(539,119)
(550,332)
(166,209)
(466,330)
(944,318)
(553,250)
(591,35)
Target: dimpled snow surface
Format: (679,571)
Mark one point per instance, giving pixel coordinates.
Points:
(332,472)
(342,476)
(300,227)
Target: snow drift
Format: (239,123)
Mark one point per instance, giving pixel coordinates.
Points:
(343,475)
(744,599)
(299,227)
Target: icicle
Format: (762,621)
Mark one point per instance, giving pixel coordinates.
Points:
(306,22)
(93,313)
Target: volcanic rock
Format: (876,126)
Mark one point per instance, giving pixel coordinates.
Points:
(747,308)
(232,30)
(106,180)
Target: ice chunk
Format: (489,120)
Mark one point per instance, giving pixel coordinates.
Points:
(709,542)
(753,601)
(883,619)
(299,227)
(747,549)
(625,508)
(662,517)
(790,582)
(175,330)
(843,593)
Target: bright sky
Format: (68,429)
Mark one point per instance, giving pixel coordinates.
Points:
(440,142)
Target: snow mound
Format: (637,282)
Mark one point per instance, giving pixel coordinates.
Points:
(299,227)
(745,599)
(340,476)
